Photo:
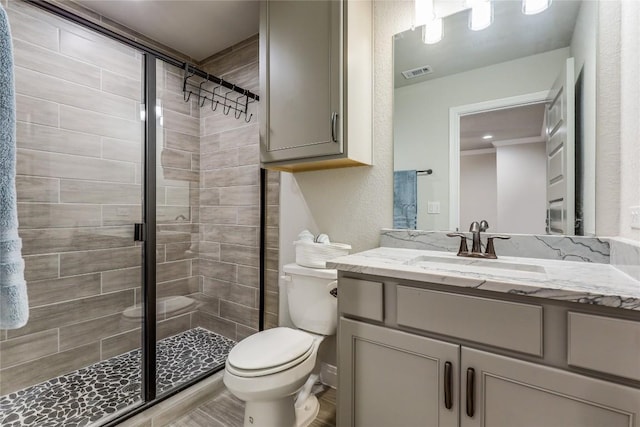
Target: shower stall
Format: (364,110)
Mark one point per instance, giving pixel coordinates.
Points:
(149,230)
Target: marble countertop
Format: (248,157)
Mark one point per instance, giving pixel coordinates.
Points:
(588,283)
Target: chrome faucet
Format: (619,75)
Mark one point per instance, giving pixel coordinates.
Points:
(476,247)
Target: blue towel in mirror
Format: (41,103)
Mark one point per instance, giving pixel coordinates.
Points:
(405,199)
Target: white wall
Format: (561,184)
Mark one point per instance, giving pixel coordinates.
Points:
(522,171)
(421,114)
(478,190)
(584,50)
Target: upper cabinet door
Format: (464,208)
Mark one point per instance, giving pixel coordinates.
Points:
(499,391)
(300,79)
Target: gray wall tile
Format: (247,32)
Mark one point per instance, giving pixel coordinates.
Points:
(242,255)
(76,191)
(91,261)
(82,333)
(39,163)
(28,28)
(70,312)
(80,120)
(39,267)
(34,110)
(19,376)
(239,313)
(41,215)
(46,138)
(240,196)
(219,270)
(215,324)
(51,291)
(50,62)
(100,54)
(30,347)
(118,84)
(50,240)
(34,189)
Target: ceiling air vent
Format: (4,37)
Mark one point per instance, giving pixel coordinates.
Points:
(417,72)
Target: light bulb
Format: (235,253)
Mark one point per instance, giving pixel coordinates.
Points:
(531,7)
(481,15)
(432,31)
(424,12)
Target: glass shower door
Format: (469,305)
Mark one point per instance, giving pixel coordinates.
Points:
(79,163)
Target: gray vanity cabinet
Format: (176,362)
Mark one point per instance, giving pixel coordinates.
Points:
(308,88)
(397,379)
(511,392)
(414,356)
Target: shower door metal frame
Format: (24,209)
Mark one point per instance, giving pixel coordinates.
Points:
(149,336)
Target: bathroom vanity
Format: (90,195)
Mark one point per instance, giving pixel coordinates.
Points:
(426,338)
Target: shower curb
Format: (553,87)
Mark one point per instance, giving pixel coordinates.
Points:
(176,406)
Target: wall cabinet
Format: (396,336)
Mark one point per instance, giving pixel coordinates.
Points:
(316,84)
(433,375)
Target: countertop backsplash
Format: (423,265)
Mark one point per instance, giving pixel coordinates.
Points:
(568,248)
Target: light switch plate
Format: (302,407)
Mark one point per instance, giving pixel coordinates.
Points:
(635,217)
(433,207)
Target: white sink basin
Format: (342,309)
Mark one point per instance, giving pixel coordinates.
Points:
(472,264)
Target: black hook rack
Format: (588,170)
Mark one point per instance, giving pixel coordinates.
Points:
(239,105)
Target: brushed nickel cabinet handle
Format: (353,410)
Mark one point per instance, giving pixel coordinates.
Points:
(448,384)
(334,124)
(471,392)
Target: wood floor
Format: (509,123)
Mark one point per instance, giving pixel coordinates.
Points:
(225,410)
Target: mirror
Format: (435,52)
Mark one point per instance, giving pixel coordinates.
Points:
(498,124)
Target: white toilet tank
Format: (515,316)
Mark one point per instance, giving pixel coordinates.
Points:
(312,306)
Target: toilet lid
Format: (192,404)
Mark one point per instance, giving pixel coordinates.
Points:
(270,349)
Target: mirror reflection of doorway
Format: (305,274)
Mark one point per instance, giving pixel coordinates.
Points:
(503,165)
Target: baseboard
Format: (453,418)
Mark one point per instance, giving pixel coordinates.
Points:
(329,375)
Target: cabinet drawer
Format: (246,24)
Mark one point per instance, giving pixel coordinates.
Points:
(503,324)
(362,298)
(604,344)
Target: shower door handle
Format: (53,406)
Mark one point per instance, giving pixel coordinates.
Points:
(138,232)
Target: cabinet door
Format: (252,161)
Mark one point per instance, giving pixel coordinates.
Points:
(514,393)
(391,378)
(300,72)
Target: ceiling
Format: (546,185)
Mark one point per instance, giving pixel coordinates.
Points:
(195,28)
(505,125)
(512,35)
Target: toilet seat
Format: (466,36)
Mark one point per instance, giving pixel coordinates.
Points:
(269,352)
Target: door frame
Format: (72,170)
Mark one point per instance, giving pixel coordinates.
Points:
(455,113)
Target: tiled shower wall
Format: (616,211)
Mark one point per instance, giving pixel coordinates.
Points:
(229,205)
(79,149)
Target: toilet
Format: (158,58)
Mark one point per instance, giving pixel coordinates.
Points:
(267,369)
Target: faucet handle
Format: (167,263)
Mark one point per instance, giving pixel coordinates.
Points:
(491,251)
(463,242)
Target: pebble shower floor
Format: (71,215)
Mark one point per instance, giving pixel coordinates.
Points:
(86,396)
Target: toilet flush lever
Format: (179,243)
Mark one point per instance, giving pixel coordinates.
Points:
(333,288)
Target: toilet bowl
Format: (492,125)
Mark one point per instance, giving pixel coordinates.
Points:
(268,368)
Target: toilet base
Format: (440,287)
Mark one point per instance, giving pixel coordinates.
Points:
(307,412)
(280,413)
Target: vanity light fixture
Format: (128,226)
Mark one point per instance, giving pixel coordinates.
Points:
(532,7)
(424,12)
(481,15)
(425,15)
(487,136)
